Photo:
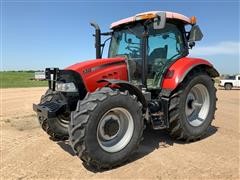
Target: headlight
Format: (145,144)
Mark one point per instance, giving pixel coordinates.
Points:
(66,87)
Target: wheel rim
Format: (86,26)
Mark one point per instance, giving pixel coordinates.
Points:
(197,105)
(115,130)
(63,119)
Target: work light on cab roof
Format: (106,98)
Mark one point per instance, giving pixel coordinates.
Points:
(157,15)
(102,105)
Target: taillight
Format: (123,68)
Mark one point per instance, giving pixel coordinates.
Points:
(169,74)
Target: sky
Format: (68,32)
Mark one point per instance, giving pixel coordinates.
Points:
(37,34)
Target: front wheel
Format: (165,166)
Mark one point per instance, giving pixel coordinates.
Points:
(106,128)
(192,107)
(56,128)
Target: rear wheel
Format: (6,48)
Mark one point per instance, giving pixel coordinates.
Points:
(56,128)
(228,86)
(106,128)
(192,107)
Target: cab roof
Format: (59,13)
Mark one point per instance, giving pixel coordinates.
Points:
(153,14)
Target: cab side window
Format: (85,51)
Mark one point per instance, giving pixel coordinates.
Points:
(164,46)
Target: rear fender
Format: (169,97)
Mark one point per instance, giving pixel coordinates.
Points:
(125,85)
(180,69)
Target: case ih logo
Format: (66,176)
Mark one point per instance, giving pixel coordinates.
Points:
(86,71)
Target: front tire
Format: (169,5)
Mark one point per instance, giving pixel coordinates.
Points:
(192,107)
(56,128)
(106,128)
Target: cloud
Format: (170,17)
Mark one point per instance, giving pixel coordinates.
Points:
(221,48)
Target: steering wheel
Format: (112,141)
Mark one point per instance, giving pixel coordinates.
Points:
(132,48)
(134,51)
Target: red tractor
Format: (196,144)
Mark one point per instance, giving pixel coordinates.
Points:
(103,105)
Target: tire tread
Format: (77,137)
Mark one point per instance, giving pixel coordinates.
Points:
(78,144)
(176,130)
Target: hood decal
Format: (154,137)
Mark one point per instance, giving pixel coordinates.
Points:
(89,70)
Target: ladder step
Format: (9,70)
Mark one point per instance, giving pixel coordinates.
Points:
(158,124)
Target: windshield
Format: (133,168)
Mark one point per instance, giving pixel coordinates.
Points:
(163,47)
(126,42)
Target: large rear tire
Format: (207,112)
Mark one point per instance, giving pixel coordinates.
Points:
(192,107)
(106,128)
(56,128)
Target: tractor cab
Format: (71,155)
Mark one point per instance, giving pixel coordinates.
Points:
(150,42)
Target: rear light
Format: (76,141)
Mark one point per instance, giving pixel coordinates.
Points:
(193,20)
(169,74)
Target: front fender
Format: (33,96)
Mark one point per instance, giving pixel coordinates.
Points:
(125,85)
(179,70)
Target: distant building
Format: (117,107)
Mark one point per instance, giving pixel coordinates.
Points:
(39,75)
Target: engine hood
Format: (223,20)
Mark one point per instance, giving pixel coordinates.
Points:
(91,65)
(94,70)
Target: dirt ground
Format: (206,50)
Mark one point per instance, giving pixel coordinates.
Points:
(28,153)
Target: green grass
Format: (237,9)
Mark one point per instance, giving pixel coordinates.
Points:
(14,79)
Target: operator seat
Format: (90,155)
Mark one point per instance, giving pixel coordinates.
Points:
(158,53)
(156,60)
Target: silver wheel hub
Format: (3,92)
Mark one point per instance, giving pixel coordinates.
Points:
(109,127)
(115,129)
(197,105)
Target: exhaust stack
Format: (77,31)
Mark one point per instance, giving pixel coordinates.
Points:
(97,40)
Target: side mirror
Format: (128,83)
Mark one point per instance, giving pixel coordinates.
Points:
(191,44)
(160,21)
(195,34)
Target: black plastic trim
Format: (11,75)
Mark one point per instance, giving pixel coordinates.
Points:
(48,109)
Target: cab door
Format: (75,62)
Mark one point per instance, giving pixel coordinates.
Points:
(164,46)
